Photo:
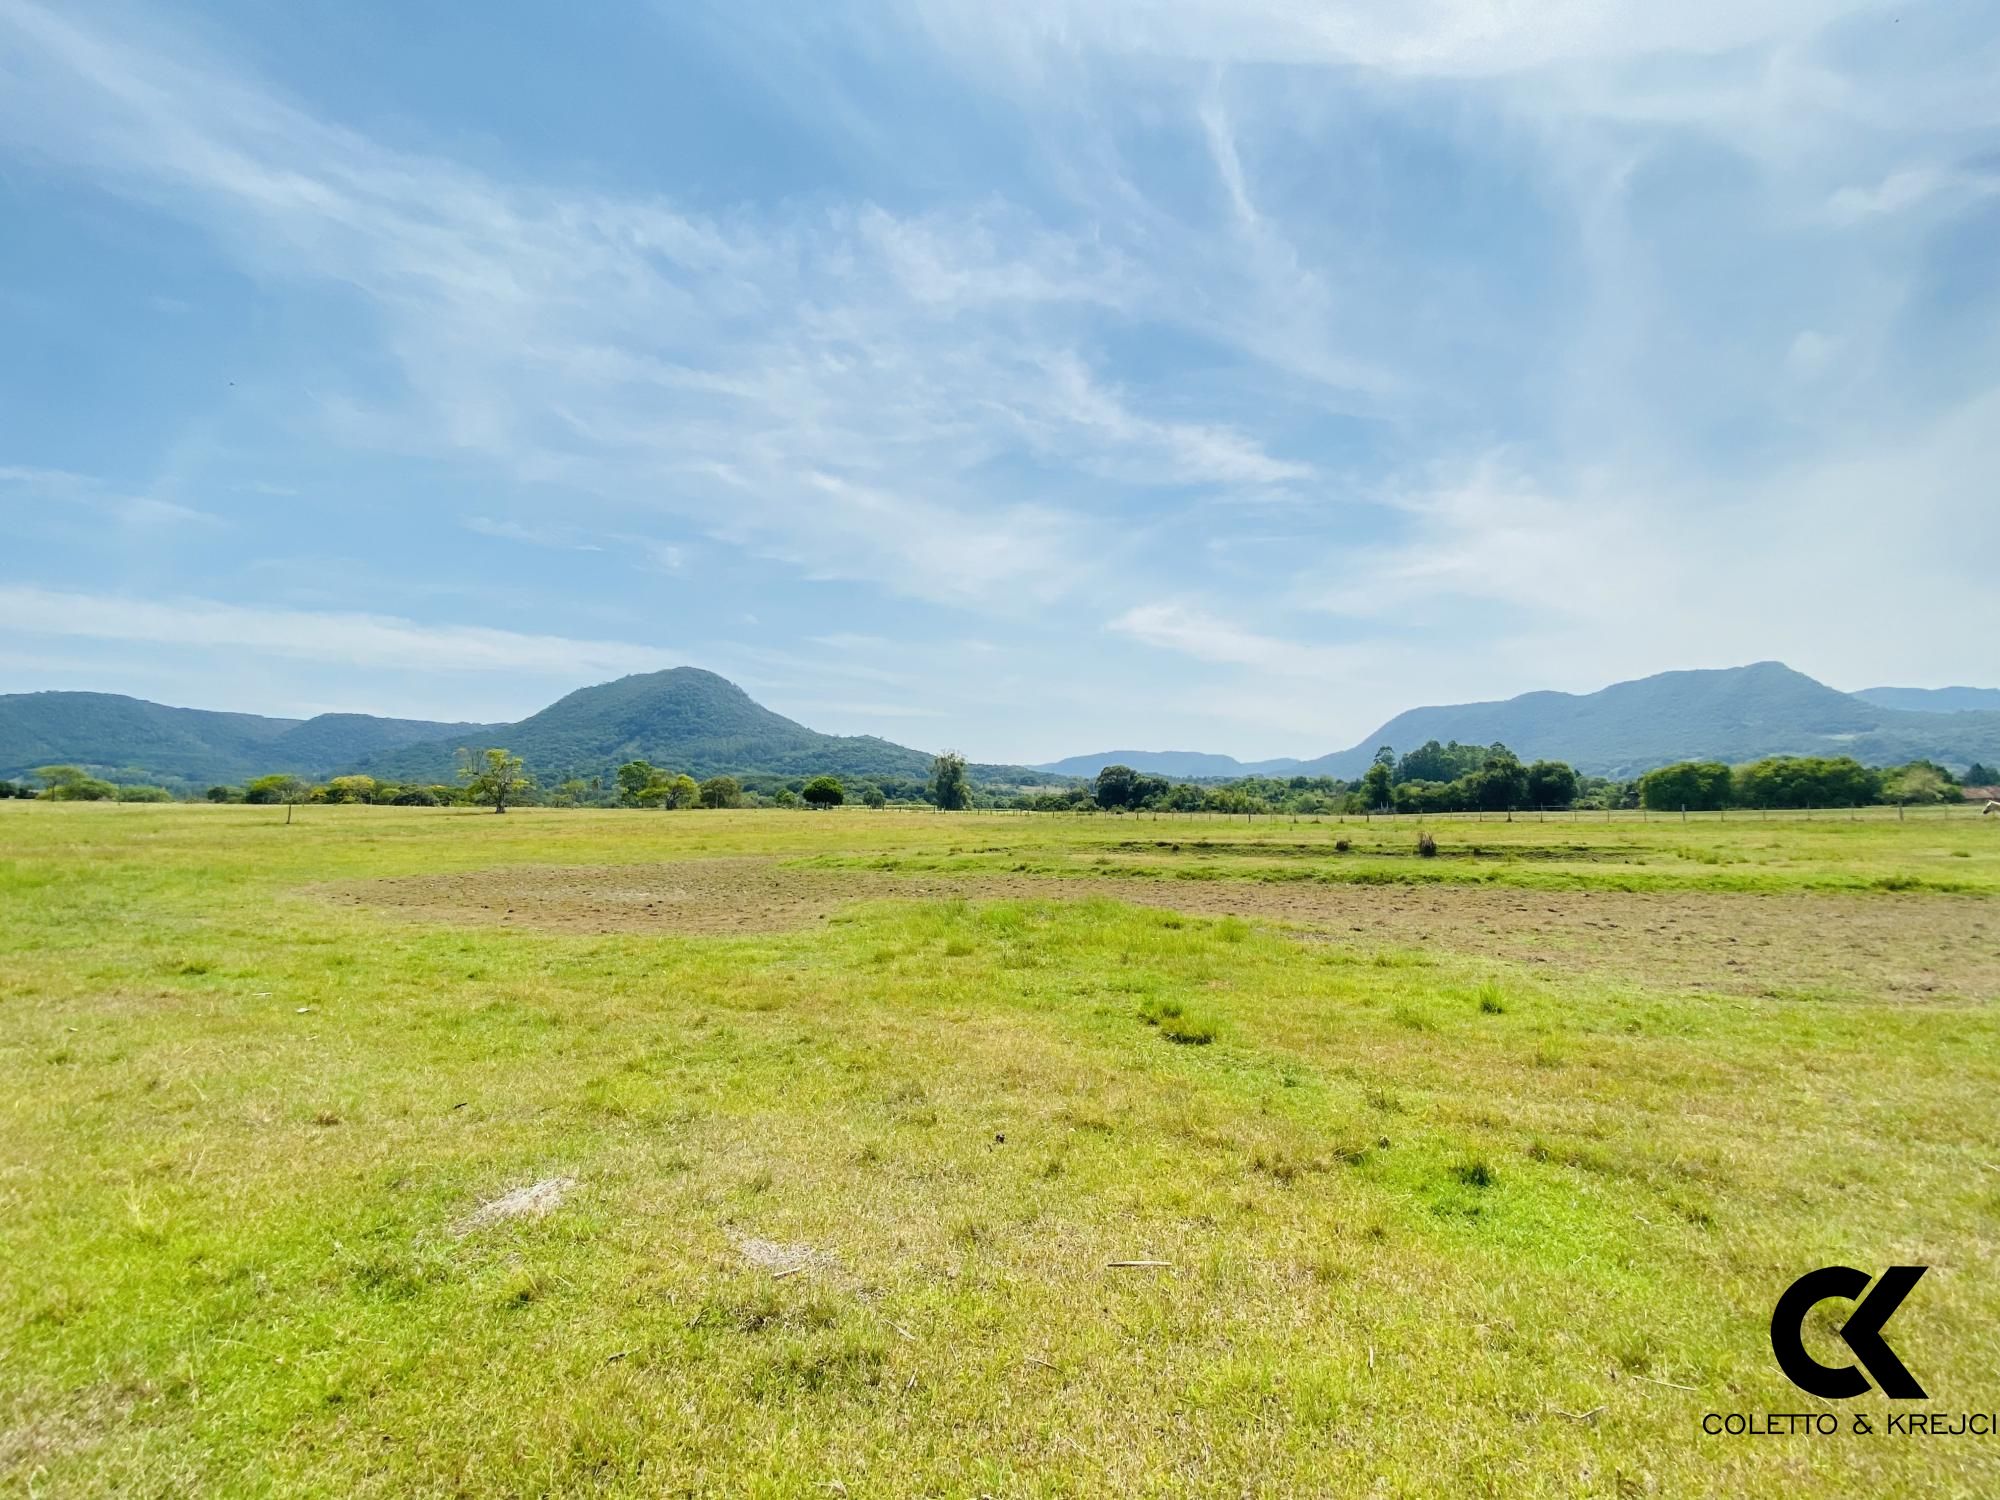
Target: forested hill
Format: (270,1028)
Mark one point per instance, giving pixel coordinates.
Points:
(1184,763)
(1735,714)
(1945,700)
(131,739)
(685,718)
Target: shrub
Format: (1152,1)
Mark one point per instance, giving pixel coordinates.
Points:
(1427,847)
(144,794)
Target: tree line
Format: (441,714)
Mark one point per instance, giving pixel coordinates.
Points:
(496,778)
(1434,778)
(1798,781)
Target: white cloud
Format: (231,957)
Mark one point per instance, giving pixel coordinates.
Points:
(352,640)
(86,490)
(143,510)
(1210,638)
(557,538)
(1910,188)
(821,387)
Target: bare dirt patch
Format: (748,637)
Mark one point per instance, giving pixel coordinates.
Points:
(1917,947)
(535,1201)
(783,1260)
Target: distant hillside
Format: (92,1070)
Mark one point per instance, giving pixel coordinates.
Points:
(1736,714)
(1946,700)
(1168,763)
(132,739)
(685,719)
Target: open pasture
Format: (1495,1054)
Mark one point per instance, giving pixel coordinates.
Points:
(423,1151)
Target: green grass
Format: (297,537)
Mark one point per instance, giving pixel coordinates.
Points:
(846,1199)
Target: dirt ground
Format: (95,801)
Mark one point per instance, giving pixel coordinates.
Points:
(1914,947)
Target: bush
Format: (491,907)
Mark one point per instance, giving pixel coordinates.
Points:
(144,794)
(414,796)
(1427,847)
(721,791)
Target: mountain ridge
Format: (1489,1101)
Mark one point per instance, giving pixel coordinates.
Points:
(1944,700)
(1191,763)
(691,719)
(1732,714)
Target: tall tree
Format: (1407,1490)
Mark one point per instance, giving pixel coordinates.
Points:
(950,789)
(1116,786)
(633,779)
(497,779)
(1551,783)
(1375,782)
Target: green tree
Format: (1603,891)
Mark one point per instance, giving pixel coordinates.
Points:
(786,797)
(282,787)
(1116,786)
(144,794)
(349,789)
(950,788)
(824,791)
(1699,785)
(221,794)
(1806,781)
(1551,783)
(1499,785)
(1375,782)
(1921,781)
(721,791)
(683,791)
(633,779)
(872,796)
(73,784)
(497,779)
(1980,774)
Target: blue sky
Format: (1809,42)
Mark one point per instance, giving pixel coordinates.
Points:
(1030,379)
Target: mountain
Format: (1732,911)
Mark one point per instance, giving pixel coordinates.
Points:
(683,718)
(1735,714)
(1946,700)
(695,721)
(1188,763)
(132,739)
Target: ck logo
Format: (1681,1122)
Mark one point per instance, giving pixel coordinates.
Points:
(1862,1332)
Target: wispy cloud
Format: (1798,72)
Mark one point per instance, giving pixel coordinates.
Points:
(354,640)
(822,388)
(137,512)
(560,538)
(1561,341)
(1208,637)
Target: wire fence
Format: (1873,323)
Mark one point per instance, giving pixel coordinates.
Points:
(1923,813)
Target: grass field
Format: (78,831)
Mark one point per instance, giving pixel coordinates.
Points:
(843,1134)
